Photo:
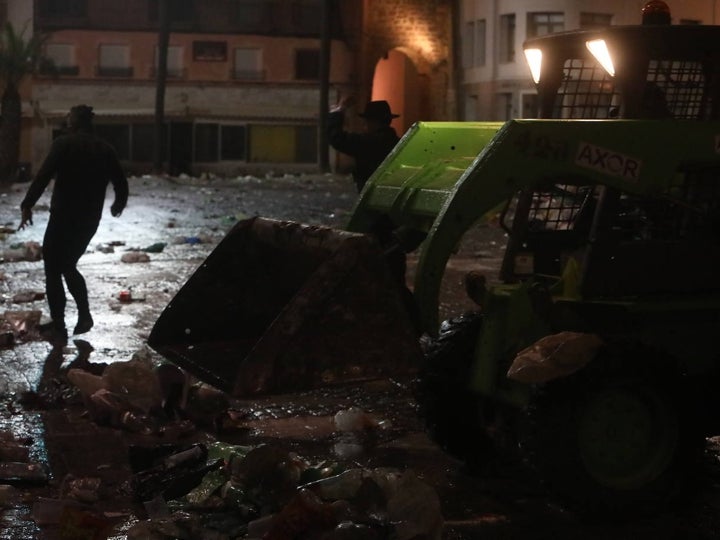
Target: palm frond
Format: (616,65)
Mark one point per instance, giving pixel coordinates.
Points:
(19,56)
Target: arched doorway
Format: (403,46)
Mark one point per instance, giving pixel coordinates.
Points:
(397,81)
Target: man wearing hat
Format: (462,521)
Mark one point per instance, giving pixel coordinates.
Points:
(370,148)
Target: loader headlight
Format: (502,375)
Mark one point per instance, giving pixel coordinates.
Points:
(599,50)
(534,60)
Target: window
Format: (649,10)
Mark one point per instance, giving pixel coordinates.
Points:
(248,64)
(210,51)
(61,57)
(541,24)
(506,49)
(143,142)
(588,21)
(206,142)
(118,136)
(282,144)
(471,108)
(114,61)
(306,144)
(307,64)
(474,44)
(215,142)
(232,142)
(175,68)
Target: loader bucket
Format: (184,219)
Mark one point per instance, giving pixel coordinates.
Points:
(281,307)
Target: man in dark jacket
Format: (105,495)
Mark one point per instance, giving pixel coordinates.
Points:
(369,148)
(82,165)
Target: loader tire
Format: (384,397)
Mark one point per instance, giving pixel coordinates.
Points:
(616,439)
(446,404)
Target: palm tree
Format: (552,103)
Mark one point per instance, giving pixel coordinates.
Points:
(161,83)
(19,57)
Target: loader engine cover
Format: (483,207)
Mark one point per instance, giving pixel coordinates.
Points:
(281,307)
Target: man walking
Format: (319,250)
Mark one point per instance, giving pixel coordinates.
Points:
(82,165)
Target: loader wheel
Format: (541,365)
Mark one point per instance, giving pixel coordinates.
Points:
(614,438)
(450,410)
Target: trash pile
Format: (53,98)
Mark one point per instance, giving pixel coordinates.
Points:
(18,326)
(16,467)
(22,251)
(225,491)
(185,489)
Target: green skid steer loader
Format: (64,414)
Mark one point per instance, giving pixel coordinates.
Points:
(593,351)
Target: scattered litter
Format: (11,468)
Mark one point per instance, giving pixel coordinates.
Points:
(22,324)
(18,472)
(135,257)
(84,489)
(26,296)
(23,251)
(155,248)
(9,495)
(354,419)
(125,296)
(554,356)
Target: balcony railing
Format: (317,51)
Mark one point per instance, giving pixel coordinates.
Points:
(115,72)
(172,73)
(61,71)
(247,74)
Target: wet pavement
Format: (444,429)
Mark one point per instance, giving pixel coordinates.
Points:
(190,216)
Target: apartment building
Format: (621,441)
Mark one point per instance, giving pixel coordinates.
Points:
(495,82)
(242,79)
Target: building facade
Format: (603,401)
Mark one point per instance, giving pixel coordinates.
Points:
(243,89)
(242,79)
(495,82)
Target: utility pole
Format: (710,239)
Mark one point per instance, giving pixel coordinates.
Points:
(325,43)
(160,81)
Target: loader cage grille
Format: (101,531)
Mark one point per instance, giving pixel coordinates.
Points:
(682,84)
(587,91)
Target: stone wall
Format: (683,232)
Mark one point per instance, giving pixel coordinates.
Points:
(422,30)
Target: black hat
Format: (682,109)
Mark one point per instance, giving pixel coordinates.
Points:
(378,110)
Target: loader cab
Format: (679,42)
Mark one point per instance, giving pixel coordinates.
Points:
(644,71)
(608,236)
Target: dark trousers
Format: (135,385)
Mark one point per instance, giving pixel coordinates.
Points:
(66,239)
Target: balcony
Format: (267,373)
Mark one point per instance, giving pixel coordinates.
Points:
(114,72)
(247,74)
(51,70)
(172,73)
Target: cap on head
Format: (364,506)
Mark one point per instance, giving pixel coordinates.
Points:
(81,116)
(378,110)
